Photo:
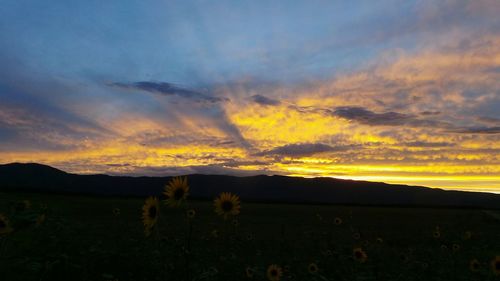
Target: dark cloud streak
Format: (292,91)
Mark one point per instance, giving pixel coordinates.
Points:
(169,89)
(303,149)
(263,100)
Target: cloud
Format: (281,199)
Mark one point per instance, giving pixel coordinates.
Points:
(303,149)
(169,89)
(477,130)
(430,113)
(263,100)
(428,144)
(367,117)
(489,120)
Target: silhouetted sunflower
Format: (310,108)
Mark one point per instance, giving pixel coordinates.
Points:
(23,205)
(474,265)
(359,255)
(249,272)
(249,236)
(227,204)
(337,221)
(176,191)
(467,235)
(40,219)
(312,268)
(4,225)
(274,272)
(495,265)
(404,258)
(356,236)
(150,212)
(191,213)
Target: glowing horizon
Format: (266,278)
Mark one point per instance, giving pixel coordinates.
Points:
(405,93)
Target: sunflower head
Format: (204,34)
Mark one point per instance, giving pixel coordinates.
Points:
(436,234)
(191,213)
(23,205)
(495,265)
(312,268)
(356,236)
(249,272)
(249,236)
(4,225)
(235,222)
(176,191)
(337,221)
(116,211)
(404,258)
(150,212)
(455,247)
(467,235)
(359,255)
(40,219)
(274,272)
(474,265)
(227,204)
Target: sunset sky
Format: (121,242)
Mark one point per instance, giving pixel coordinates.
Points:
(394,91)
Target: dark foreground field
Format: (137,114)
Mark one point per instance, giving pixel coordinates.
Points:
(83,238)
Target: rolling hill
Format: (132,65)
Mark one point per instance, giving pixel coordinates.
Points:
(41,178)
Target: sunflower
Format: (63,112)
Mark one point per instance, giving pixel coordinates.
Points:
(467,235)
(274,272)
(474,265)
(404,258)
(4,225)
(40,219)
(356,236)
(227,204)
(436,234)
(23,205)
(150,212)
(249,237)
(116,211)
(191,213)
(235,223)
(455,247)
(312,268)
(359,255)
(249,272)
(495,265)
(337,221)
(176,191)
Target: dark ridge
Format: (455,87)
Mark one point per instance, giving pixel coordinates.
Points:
(41,178)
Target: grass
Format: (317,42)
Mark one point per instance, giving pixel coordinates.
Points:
(82,239)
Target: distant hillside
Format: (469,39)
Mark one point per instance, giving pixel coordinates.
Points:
(41,178)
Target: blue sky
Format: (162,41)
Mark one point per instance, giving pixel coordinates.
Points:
(202,42)
(222,86)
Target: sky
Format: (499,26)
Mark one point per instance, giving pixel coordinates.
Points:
(394,91)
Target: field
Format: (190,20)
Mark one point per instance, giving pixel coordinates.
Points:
(84,238)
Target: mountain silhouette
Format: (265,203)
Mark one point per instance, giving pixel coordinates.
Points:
(41,178)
